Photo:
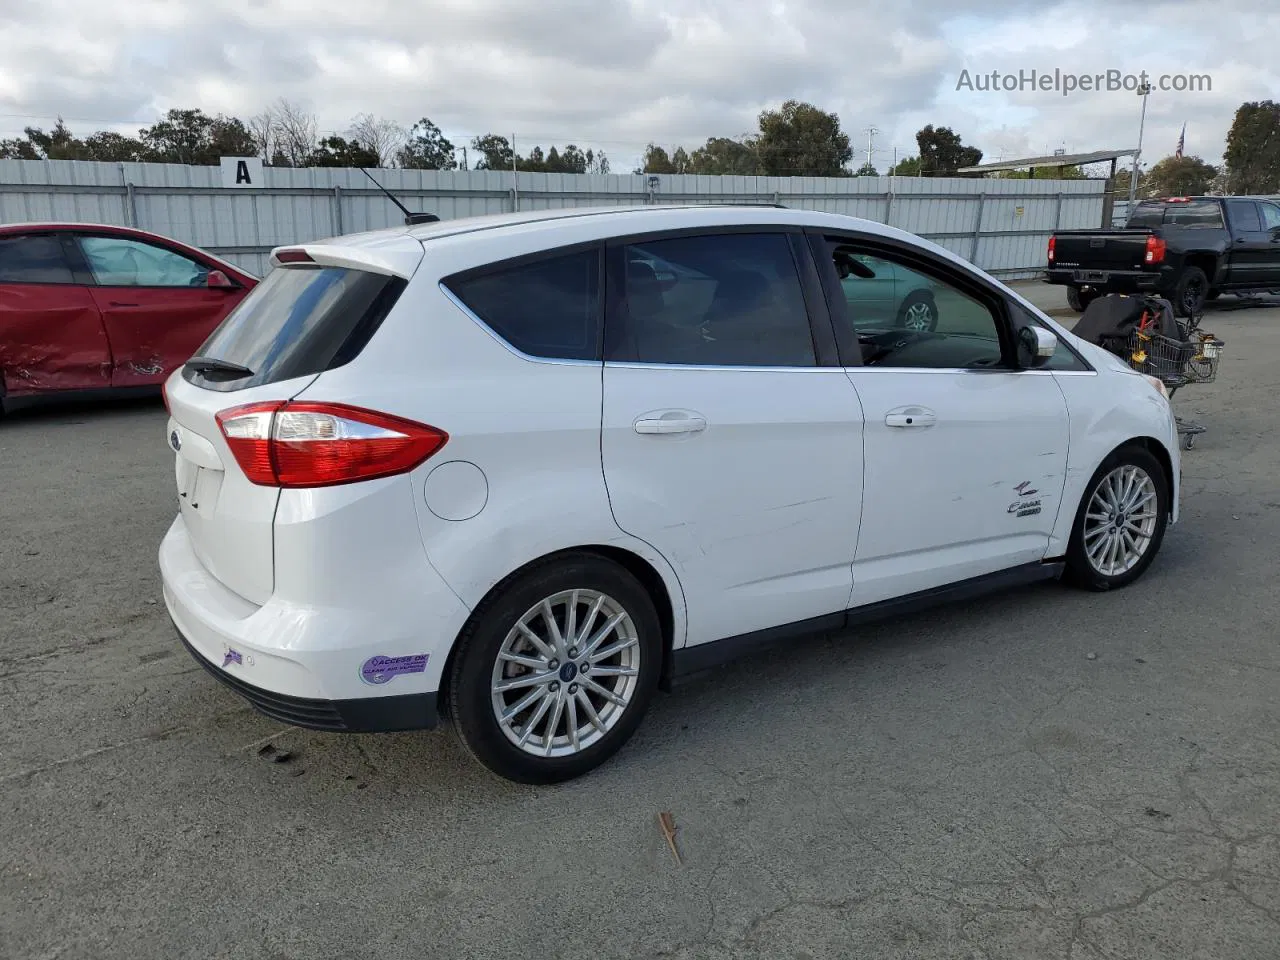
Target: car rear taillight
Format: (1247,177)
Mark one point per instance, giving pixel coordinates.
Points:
(284,444)
(1051,242)
(293,256)
(1155,249)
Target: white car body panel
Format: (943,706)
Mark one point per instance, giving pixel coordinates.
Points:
(785,508)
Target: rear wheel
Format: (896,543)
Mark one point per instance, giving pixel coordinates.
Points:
(919,312)
(1121,521)
(1190,294)
(1079,299)
(556,669)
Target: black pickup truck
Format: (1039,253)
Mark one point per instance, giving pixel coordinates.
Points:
(1186,249)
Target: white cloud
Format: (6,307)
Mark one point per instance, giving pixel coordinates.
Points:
(619,73)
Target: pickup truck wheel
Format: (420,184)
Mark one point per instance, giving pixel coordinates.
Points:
(1192,289)
(1078,300)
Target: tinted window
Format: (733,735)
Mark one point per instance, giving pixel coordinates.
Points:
(120,262)
(723,300)
(37,259)
(1196,213)
(548,307)
(1244,215)
(297,322)
(1270,216)
(1147,215)
(903,316)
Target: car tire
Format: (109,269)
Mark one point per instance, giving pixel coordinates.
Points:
(1190,293)
(494,651)
(1108,515)
(1078,300)
(918,312)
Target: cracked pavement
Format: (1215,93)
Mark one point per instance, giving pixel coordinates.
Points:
(963,783)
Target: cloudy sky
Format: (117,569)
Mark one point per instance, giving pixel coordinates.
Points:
(619,73)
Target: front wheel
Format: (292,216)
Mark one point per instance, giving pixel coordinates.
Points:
(556,669)
(1121,521)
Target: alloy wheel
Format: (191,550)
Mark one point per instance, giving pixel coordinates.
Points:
(566,673)
(918,316)
(1120,522)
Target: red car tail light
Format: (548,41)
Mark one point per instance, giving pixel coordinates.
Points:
(1155,250)
(283,444)
(1051,242)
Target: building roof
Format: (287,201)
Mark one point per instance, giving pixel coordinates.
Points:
(1056,160)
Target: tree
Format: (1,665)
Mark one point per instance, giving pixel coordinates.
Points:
(573,160)
(801,140)
(906,167)
(427,149)
(338,152)
(1068,172)
(657,160)
(942,153)
(1179,177)
(384,138)
(15,148)
(58,144)
(494,150)
(597,162)
(1253,148)
(723,156)
(192,136)
(868,169)
(296,132)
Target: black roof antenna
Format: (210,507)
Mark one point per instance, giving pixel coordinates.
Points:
(409,218)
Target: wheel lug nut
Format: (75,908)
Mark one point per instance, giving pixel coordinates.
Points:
(585,668)
(573,651)
(555,687)
(573,688)
(553,664)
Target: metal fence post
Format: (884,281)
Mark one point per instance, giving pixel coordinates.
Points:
(515,200)
(337,211)
(1057,214)
(977,230)
(888,209)
(131,205)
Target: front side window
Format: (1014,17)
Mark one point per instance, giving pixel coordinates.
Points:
(1244,216)
(33,259)
(548,307)
(1270,216)
(713,300)
(904,316)
(121,262)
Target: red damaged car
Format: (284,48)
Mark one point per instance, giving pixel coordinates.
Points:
(87,307)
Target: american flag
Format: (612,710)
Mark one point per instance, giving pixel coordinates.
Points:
(1182,142)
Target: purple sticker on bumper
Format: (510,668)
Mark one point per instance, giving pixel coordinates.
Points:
(383,669)
(232,656)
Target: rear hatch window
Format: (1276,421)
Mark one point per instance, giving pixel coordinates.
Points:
(1206,214)
(299,321)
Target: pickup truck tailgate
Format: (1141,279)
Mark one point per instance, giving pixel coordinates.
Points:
(1101,250)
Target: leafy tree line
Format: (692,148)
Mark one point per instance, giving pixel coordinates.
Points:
(286,135)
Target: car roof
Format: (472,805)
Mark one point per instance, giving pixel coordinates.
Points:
(388,251)
(67,226)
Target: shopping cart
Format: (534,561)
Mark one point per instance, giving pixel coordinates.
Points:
(1191,358)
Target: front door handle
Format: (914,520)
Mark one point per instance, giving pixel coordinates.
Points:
(910,417)
(120,303)
(656,425)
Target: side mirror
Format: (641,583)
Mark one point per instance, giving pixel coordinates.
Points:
(217,280)
(1035,346)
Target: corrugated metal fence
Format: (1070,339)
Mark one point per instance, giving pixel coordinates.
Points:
(1000,225)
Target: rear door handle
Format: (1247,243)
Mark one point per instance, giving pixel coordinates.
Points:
(911,417)
(654,425)
(120,303)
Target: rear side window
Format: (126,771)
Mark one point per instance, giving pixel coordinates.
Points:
(297,322)
(1244,216)
(549,307)
(33,259)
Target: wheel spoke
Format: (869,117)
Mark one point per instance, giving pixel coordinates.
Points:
(524,680)
(527,632)
(589,620)
(571,618)
(553,628)
(550,736)
(538,714)
(600,634)
(531,662)
(604,692)
(590,710)
(523,704)
(572,723)
(612,651)
(614,671)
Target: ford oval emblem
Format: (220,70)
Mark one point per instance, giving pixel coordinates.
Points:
(175,441)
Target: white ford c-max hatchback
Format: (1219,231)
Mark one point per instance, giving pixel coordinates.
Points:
(518,472)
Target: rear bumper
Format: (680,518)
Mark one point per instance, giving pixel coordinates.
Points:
(411,711)
(1112,281)
(367,660)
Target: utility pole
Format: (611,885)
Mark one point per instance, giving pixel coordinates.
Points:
(870,132)
(515,177)
(1143,91)
(464,159)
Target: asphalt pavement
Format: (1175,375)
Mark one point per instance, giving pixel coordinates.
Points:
(1042,774)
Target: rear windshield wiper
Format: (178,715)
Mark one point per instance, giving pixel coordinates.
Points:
(214,368)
